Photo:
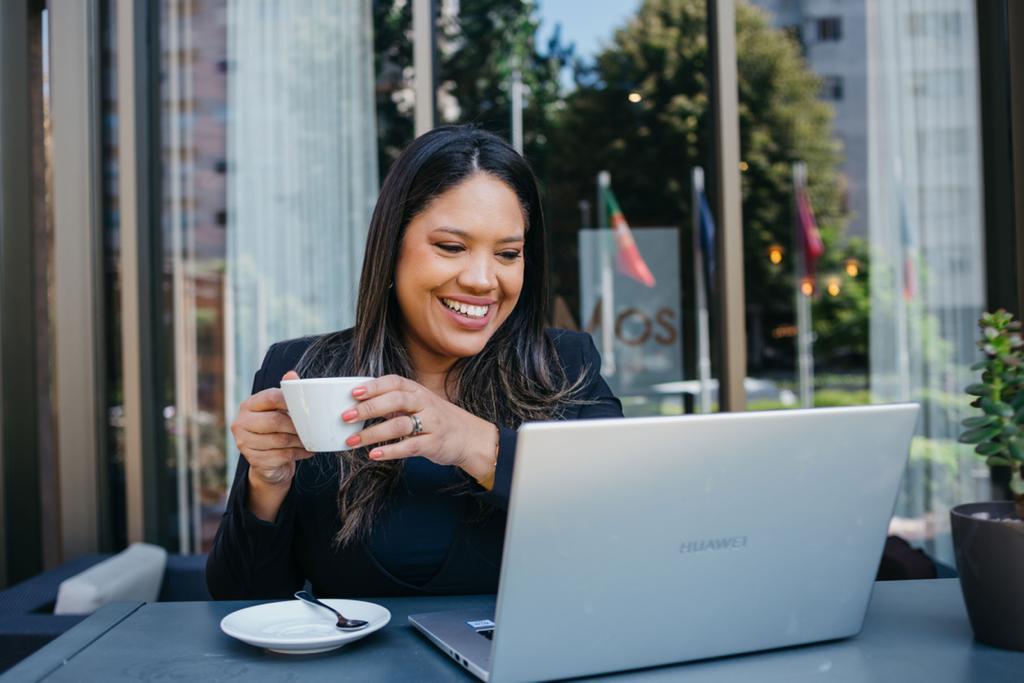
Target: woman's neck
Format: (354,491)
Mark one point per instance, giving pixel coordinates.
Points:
(434,381)
(430,370)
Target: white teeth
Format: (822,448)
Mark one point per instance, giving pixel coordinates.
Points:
(466,309)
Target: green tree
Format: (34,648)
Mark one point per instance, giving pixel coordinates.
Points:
(479,48)
(840,322)
(392,38)
(650,146)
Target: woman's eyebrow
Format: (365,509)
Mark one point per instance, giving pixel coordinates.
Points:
(459,232)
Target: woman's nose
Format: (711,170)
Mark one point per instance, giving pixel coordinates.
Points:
(478,275)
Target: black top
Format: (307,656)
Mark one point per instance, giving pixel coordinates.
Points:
(431,539)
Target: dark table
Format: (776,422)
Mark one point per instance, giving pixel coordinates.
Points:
(914,631)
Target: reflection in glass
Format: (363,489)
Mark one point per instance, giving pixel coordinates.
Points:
(926,244)
(269,174)
(193,133)
(901,80)
(302,154)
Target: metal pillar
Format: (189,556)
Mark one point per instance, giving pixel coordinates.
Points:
(727,204)
(424,64)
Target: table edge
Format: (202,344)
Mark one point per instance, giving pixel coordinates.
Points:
(61,650)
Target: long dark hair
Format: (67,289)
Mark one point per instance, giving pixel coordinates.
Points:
(515,378)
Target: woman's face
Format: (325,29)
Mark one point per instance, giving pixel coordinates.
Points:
(460,270)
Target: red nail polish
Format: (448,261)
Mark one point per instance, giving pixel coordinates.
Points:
(358,391)
(376,454)
(353,440)
(349,415)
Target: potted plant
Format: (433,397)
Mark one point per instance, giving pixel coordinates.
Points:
(988,538)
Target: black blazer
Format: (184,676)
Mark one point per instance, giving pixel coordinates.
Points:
(432,540)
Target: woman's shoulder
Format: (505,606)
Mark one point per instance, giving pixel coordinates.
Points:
(284,355)
(571,346)
(581,361)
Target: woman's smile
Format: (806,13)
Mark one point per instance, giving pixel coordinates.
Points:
(470,316)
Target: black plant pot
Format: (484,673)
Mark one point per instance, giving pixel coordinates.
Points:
(990,561)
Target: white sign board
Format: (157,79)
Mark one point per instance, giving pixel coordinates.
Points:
(642,325)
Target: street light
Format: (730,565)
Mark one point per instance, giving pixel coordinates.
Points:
(833,285)
(807,286)
(775,253)
(852,267)
(635,97)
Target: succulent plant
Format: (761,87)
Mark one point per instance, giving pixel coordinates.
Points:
(998,432)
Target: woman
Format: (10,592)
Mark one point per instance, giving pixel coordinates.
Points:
(450,320)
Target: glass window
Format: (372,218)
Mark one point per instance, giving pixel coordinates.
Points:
(939,84)
(894,298)
(934,24)
(115,427)
(832,88)
(829,29)
(277,121)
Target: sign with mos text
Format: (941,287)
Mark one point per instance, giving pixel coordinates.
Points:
(641,325)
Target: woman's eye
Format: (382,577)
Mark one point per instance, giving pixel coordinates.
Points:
(509,255)
(450,248)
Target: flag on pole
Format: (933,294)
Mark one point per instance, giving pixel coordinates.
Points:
(703,269)
(707,239)
(628,258)
(909,252)
(808,227)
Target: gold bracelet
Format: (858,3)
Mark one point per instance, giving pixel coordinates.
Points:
(487,481)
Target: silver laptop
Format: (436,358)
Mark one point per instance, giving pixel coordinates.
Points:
(639,542)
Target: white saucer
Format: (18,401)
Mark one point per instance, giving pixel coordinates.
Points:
(294,627)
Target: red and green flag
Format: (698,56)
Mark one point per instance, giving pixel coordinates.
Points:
(909,252)
(628,259)
(809,236)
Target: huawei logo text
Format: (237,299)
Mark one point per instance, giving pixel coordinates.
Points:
(706,545)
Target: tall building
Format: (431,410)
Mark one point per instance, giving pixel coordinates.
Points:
(903,79)
(833,34)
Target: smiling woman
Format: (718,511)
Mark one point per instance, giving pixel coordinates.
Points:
(451,325)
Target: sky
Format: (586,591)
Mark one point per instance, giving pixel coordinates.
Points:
(588,23)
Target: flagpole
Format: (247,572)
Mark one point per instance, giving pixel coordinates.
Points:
(517,111)
(805,355)
(902,317)
(585,221)
(902,343)
(703,335)
(604,181)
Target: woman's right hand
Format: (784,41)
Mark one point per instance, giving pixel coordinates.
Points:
(266,436)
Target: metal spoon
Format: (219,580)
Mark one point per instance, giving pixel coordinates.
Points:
(343,623)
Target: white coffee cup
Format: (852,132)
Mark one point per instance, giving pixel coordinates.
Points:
(315,406)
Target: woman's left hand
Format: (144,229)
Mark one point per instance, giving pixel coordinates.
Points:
(448,435)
